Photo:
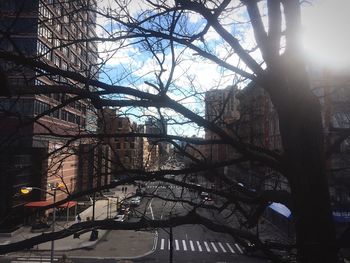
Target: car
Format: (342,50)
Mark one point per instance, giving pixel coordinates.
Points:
(170,176)
(205,196)
(135,201)
(119,218)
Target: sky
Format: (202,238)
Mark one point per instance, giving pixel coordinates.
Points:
(326,32)
(326,40)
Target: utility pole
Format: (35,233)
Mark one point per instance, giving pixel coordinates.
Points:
(170,243)
(53,226)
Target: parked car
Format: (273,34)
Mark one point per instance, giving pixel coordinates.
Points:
(205,196)
(135,201)
(119,218)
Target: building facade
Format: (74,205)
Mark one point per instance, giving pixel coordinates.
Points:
(221,109)
(47,31)
(259,126)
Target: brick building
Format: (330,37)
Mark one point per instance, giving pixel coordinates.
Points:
(45,30)
(221,109)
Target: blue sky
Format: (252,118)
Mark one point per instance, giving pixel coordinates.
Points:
(325,38)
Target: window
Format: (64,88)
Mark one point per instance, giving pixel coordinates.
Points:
(40,107)
(56,114)
(44,32)
(71,117)
(65,51)
(64,115)
(64,65)
(56,42)
(77,120)
(43,50)
(56,60)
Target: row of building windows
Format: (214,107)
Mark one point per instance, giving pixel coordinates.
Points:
(45,51)
(28,108)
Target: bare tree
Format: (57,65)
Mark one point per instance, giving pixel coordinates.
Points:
(163,40)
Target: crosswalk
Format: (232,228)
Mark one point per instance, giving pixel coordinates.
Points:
(33,260)
(200,246)
(164,186)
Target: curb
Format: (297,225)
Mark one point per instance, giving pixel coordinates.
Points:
(125,257)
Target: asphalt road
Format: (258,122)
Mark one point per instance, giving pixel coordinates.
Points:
(191,243)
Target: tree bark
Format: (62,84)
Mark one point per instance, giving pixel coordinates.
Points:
(301,130)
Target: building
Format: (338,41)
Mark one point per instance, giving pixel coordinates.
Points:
(194,153)
(156,150)
(45,30)
(221,109)
(259,126)
(116,132)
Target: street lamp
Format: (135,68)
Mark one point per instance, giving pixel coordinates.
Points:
(27,190)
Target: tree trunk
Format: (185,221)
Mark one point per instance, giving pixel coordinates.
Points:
(301,132)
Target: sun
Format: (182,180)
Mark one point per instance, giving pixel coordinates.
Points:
(326,32)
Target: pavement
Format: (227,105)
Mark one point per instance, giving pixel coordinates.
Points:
(102,206)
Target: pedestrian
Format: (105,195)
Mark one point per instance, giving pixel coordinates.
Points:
(126,189)
(78,218)
(123,189)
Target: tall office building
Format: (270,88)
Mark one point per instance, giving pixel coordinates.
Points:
(53,32)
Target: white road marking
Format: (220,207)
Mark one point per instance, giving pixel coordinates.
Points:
(222,247)
(230,248)
(192,246)
(168,244)
(162,244)
(177,244)
(184,245)
(239,249)
(32,260)
(213,245)
(199,246)
(206,246)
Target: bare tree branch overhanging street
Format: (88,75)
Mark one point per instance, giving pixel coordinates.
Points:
(211,113)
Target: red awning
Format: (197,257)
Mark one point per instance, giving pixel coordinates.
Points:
(38,204)
(68,204)
(46,203)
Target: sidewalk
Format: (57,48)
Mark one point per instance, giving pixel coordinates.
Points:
(70,243)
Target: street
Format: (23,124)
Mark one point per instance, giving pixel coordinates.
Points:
(191,243)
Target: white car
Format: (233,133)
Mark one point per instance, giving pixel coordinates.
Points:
(119,218)
(135,200)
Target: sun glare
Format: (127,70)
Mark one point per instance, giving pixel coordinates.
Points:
(326,33)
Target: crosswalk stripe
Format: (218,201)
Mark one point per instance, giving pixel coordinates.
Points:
(184,245)
(191,245)
(177,244)
(199,246)
(162,244)
(239,249)
(213,245)
(33,260)
(230,248)
(217,247)
(222,247)
(206,246)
